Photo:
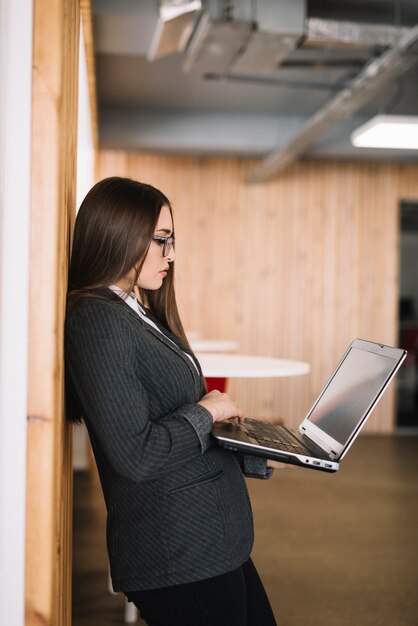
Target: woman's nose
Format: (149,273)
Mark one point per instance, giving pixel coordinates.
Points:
(171,255)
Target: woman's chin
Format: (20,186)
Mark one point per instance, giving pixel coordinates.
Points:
(153,285)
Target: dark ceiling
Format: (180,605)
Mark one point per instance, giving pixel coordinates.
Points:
(157,106)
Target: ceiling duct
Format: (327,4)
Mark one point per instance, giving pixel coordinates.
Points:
(280,27)
(174,27)
(251,37)
(320,32)
(375,75)
(215,45)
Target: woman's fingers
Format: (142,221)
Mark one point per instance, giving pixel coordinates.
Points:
(221,406)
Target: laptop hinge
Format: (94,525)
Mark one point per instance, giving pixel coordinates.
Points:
(318,443)
(313,446)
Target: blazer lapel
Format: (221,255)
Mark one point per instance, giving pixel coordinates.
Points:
(173,344)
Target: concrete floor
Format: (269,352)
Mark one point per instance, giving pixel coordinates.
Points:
(337,550)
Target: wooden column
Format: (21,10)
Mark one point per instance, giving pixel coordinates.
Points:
(49,475)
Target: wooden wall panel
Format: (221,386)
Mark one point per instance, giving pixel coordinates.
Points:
(295,267)
(49,469)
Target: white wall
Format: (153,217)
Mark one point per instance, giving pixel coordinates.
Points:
(85,180)
(15,149)
(85,146)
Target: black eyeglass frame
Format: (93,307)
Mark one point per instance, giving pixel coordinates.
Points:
(167,243)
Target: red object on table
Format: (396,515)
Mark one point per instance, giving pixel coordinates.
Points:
(216,383)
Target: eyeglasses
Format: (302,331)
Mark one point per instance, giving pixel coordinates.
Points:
(166,242)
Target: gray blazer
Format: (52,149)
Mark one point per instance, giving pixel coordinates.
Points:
(178,507)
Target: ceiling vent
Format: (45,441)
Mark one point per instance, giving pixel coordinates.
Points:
(174,27)
(249,37)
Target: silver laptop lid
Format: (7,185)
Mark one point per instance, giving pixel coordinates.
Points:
(350,395)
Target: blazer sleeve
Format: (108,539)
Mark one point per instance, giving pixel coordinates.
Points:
(254,466)
(102,370)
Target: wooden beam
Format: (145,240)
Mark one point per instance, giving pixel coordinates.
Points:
(49,472)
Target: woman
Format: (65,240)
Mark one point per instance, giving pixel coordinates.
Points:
(179,527)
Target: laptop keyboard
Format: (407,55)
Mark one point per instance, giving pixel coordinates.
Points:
(271,436)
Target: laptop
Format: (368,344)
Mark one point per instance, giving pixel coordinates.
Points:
(329,429)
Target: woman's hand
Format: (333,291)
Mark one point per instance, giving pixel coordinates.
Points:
(221,406)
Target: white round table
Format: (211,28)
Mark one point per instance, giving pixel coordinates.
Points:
(213,345)
(218,367)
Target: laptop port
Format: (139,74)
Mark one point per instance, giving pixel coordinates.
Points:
(316,462)
(328,465)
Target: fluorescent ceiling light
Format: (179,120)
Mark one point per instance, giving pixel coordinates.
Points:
(388,131)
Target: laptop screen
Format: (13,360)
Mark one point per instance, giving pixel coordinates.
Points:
(351,391)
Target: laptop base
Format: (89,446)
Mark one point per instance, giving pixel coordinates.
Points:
(234,445)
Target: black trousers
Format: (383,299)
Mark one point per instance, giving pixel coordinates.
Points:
(237,598)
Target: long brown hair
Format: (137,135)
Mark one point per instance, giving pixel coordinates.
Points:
(112,234)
